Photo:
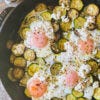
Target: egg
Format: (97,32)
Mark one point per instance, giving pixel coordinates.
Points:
(41,27)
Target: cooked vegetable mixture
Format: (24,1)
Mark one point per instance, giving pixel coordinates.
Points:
(58,57)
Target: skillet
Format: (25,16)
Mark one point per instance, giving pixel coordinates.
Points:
(10,21)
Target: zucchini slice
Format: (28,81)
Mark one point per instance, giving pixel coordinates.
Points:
(32,69)
(20,62)
(10,75)
(65,26)
(67,35)
(40,61)
(9,44)
(79,22)
(12,58)
(77,93)
(93,64)
(97,93)
(29,55)
(18,73)
(23,81)
(92,10)
(82,98)
(46,16)
(70,97)
(73,13)
(77,4)
(55,68)
(59,9)
(26,92)
(61,43)
(54,48)
(40,7)
(23,32)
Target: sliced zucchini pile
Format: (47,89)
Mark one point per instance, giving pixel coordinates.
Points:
(67,17)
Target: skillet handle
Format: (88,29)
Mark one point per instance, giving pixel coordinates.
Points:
(4,14)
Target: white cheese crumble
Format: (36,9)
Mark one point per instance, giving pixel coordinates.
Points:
(64,19)
(95,84)
(88,92)
(84,70)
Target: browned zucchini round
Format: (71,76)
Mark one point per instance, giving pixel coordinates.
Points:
(20,62)
(65,26)
(29,55)
(73,13)
(18,73)
(79,22)
(77,4)
(27,93)
(93,64)
(92,10)
(18,49)
(9,44)
(55,68)
(23,32)
(10,75)
(40,7)
(12,58)
(54,48)
(23,81)
(61,43)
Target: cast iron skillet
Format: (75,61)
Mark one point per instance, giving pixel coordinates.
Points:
(9,28)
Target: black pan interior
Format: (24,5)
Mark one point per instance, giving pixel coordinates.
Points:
(9,32)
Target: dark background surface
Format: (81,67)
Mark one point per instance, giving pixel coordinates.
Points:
(9,32)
